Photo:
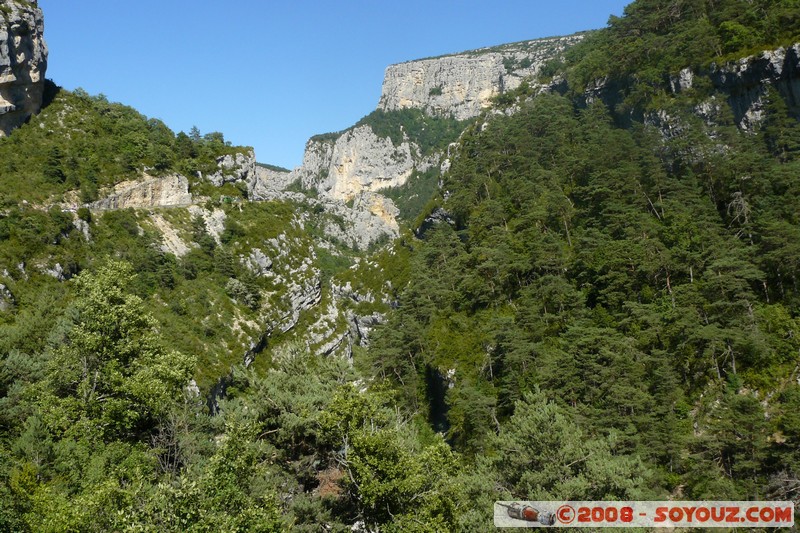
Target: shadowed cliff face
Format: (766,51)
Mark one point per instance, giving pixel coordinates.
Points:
(23,62)
(743,84)
(747,81)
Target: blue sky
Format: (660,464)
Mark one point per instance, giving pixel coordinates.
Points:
(268,73)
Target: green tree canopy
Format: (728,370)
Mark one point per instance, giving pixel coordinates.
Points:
(112,377)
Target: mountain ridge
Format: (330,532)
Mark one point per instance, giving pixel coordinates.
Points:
(497,47)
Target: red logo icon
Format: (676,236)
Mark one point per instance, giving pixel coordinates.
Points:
(565,514)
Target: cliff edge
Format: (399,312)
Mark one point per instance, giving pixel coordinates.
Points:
(23,62)
(462,85)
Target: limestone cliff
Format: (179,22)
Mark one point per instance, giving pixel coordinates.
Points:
(353,166)
(746,82)
(233,168)
(357,161)
(23,62)
(171,190)
(462,85)
(741,85)
(270,182)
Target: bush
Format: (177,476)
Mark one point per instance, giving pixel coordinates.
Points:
(247,295)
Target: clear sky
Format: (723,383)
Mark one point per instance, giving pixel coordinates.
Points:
(272,73)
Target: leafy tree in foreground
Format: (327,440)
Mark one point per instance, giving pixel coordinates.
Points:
(112,378)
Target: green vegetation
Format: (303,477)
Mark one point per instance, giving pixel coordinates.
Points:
(691,33)
(327,137)
(511,64)
(612,314)
(429,133)
(414,195)
(543,45)
(629,278)
(81,142)
(297,186)
(274,168)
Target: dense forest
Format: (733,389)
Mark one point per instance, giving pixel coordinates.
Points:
(603,309)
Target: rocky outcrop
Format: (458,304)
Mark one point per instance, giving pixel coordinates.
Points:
(354,166)
(256,262)
(462,85)
(370,219)
(289,264)
(269,183)
(436,217)
(738,87)
(380,207)
(357,161)
(345,173)
(23,62)
(317,160)
(329,334)
(746,82)
(240,167)
(83,226)
(302,294)
(213,219)
(56,271)
(171,240)
(362,326)
(169,191)
(7,300)
(682,82)
(360,322)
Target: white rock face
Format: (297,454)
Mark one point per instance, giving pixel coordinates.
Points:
(346,172)
(328,333)
(683,81)
(214,220)
(298,276)
(56,271)
(239,167)
(357,161)
(380,207)
(371,218)
(169,191)
(83,227)
(317,160)
(171,241)
(23,62)
(462,85)
(268,183)
(258,263)
(352,167)
(7,300)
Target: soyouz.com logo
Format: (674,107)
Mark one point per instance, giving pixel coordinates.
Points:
(644,514)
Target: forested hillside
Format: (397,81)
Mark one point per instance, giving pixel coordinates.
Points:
(655,38)
(83,143)
(601,302)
